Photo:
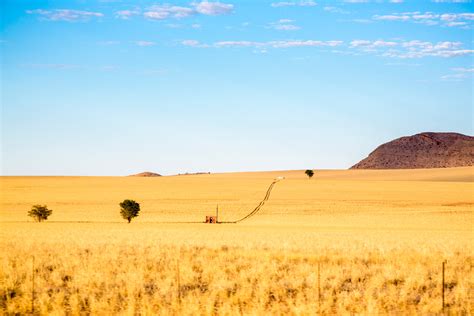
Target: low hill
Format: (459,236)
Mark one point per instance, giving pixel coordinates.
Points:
(425,150)
(146,174)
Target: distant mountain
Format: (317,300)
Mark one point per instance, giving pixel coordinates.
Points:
(146,174)
(425,150)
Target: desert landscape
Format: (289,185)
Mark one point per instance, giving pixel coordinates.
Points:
(379,238)
(226,157)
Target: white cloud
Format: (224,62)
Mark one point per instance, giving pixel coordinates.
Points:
(293,4)
(192,43)
(391,17)
(384,44)
(448,17)
(156,15)
(447,45)
(360,43)
(161,12)
(263,45)
(237,44)
(372,44)
(462,69)
(417,44)
(467,16)
(452,53)
(410,49)
(166,11)
(213,8)
(425,16)
(284,25)
(126,14)
(454,77)
(307,43)
(65,15)
(335,10)
(196,26)
(430,18)
(454,24)
(400,49)
(144,43)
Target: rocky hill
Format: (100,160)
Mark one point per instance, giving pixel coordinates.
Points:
(146,174)
(425,150)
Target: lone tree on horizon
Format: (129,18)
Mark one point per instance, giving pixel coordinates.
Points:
(39,212)
(129,209)
(309,173)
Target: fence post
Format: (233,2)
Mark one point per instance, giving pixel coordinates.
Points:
(179,283)
(33,286)
(319,288)
(442,284)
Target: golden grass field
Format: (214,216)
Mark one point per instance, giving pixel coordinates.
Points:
(380,238)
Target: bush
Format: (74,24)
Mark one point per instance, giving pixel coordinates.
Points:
(40,212)
(129,209)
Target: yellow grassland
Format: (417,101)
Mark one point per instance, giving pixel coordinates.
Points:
(380,238)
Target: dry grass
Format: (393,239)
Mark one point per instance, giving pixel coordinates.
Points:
(380,237)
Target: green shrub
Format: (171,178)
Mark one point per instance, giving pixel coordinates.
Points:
(40,212)
(309,173)
(129,209)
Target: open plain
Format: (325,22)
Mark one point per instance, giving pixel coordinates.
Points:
(346,241)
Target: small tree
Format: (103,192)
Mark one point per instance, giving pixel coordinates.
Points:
(309,173)
(129,209)
(40,212)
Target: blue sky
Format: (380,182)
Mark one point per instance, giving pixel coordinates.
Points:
(108,87)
